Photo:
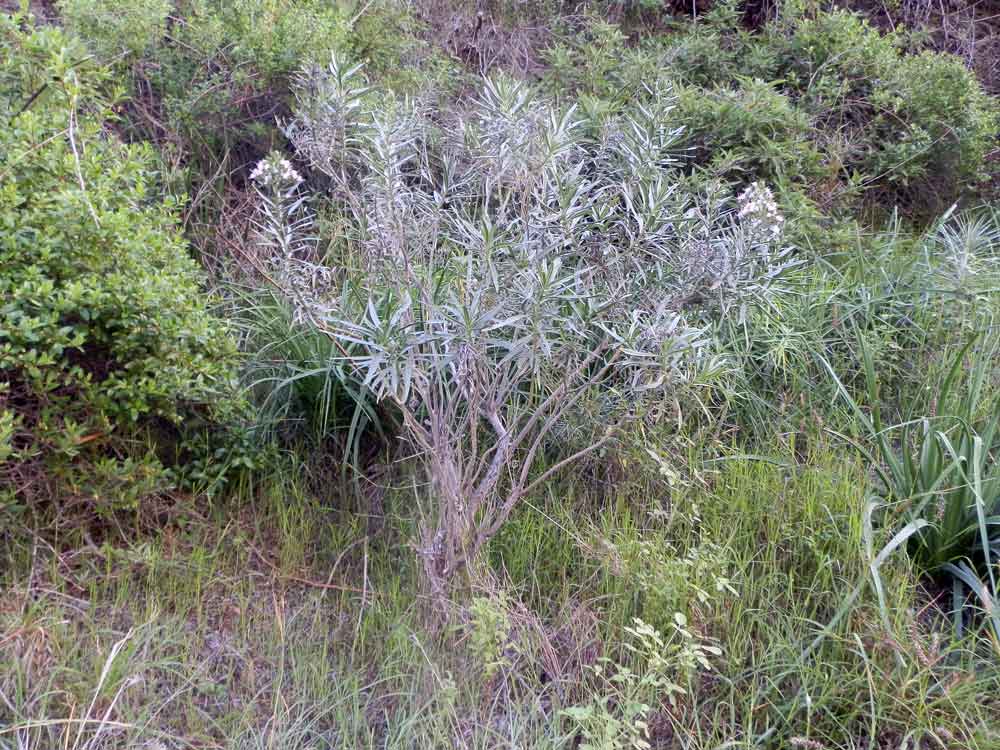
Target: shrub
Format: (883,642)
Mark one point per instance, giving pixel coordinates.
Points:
(130,28)
(824,106)
(750,127)
(716,50)
(273,37)
(917,127)
(596,60)
(103,322)
(935,129)
(234,60)
(210,85)
(505,269)
(833,60)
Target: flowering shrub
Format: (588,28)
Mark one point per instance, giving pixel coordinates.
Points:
(283,232)
(275,173)
(510,263)
(758,209)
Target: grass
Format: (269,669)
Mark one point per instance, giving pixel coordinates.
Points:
(278,624)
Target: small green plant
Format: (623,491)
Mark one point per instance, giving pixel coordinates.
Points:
(299,380)
(489,631)
(666,581)
(596,60)
(617,717)
(942,468)
(8,422)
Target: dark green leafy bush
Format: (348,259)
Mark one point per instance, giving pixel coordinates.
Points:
(917,127)
(103,323)
(824,106)
(749,127)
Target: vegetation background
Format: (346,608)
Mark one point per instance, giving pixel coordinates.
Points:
(499,374)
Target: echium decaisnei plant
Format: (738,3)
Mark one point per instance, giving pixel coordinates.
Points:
(514,256)
(284,231)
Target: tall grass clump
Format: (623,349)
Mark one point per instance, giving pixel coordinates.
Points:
(939,473)
(306,396)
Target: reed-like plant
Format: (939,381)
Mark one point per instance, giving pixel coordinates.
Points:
(940,474)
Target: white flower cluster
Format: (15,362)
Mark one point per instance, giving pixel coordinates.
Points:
(273,170)
(759,210)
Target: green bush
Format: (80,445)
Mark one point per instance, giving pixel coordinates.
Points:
(231,61)
(596,60)
(103,323)
(750,127)
(917,127)
(128,28)
(935,129)
(823,106)
(833,59)
(273,37)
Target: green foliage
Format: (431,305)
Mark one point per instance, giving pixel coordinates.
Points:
(8,423)
(916,126)
(937,127)
(595,59)
(8,454)
(905,297)
(489,631)
(618,719)
(834,58)
(215,85)
(940,473)
(270,37)
(833,111)
(664,579)
(229,63)
(211,86)
(129,28)
(718,49)
(751,128)
(471,262)
(103,321)
(303,392)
